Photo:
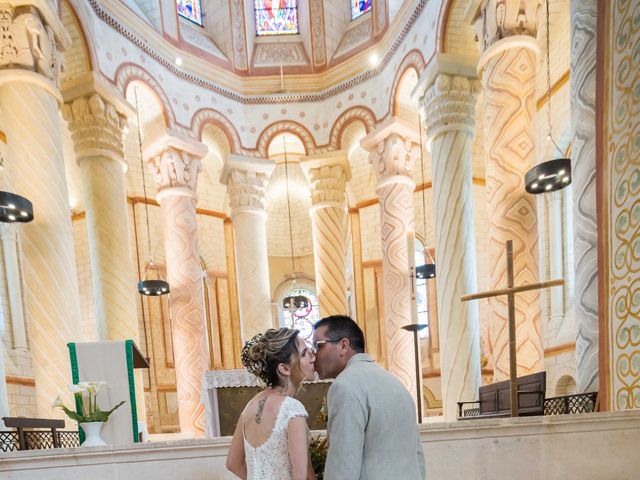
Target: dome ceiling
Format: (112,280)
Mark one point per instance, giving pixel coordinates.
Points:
(327,34)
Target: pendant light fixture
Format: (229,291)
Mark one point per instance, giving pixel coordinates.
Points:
(553,174)
(291,302)
(428,269)
(13,207)
(151,288)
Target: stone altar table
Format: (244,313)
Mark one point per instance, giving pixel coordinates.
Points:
(226,392)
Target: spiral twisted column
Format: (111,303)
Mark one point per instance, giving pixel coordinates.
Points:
(327,176)
(97,130)
(583,164)
(393,157)
(246,179)
(175,164)
(448,107)
(31,48)
(507,68)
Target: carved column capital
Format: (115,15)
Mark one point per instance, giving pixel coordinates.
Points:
(498,19)
(247,188)
(32,39)
(96,126)
(394,156)
(246,179)
(327,174)
(175,171)
(449,104)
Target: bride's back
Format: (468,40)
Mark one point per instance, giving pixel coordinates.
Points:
(259,417)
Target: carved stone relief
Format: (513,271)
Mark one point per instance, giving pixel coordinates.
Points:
(175,168)
(501,18)
(27,43)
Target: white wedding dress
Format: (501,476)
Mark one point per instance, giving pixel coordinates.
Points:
(270,461)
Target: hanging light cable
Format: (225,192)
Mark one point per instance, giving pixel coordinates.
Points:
(426,270)
(553,174)
(145,286)
(291,302)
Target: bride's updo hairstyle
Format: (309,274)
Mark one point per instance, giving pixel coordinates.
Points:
(264,352)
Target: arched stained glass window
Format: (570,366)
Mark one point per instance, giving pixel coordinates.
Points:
(191,10)
(303,318)
(422,299)
(276,17)
(359,7)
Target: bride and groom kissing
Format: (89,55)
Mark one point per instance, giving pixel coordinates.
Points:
(372,427)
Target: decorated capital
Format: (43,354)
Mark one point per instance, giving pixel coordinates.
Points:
(499,19)
(97,128)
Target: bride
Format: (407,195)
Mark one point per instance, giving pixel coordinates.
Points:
(271,440)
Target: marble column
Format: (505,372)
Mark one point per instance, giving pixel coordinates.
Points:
(393,150)
(583,163)
(175,164)
(507,67)
(327,175)
(246,179)
(448,107)
(31,40)
(97,128)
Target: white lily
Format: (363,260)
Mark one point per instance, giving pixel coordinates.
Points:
(77,389)
(99,385)
(57,403)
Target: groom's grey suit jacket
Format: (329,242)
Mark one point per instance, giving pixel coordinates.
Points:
(373,432)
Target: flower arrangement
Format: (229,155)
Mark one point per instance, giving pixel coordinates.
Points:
(85,394)
(318,448)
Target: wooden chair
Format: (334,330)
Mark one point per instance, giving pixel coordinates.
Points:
(495,400)
(24,440)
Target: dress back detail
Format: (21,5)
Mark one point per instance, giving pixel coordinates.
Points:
(270,460)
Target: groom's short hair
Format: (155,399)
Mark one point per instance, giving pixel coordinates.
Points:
(341,326)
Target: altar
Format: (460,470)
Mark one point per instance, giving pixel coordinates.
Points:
(225,393)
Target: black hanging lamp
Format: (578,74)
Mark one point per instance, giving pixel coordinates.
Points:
(291,303)
(553,174)
(148,287)
(13,207)
(428,269)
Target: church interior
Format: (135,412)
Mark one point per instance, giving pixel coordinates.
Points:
(177,172)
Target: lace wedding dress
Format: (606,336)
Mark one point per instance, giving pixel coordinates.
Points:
(270,461)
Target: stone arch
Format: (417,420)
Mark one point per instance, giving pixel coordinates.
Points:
(78,24)
(285,126)
(353,114)
(566,385)
(412,60)
(206,116)
(129,72)
(454,33)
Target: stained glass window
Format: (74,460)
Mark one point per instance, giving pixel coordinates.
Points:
(422,299)
(276,17)
(303,318)
(359,7)
(191,10)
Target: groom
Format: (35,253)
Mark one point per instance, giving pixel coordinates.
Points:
(372,428)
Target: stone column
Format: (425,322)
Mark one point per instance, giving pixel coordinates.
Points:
(393,150)
(32,36)
(556,259)
(97,128)
(507,67)
(175,163)
(14,284)
(327,176)
(583,163)
(448,107)
(246,179)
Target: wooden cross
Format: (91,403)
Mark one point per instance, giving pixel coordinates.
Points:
(510,292)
